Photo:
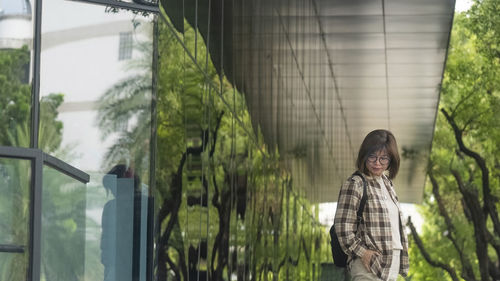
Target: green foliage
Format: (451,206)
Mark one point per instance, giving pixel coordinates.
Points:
(63,228)
(15,107)
(470,94)
(50,132)
(125,111)
(15,104)
(14,216)
(15,92)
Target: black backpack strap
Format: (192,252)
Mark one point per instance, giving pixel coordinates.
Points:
(363,198)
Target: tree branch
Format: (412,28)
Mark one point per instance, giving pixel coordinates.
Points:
(304,246)
(467,271)
(282,262)
(217,205)
(215,198)
(472,119)
(170,206)
(174,267)
(439,199)
(462,101)
(215,133)
(426,255)
(479,222)
(467,212)
(489,199)
(494,270)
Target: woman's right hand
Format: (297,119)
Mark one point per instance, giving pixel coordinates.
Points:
(366,258)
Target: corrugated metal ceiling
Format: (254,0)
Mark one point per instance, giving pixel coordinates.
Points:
(319,75)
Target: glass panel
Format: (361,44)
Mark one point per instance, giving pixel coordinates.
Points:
(16,36)
(117,212)
(226,205)
(63,227)
(15,184)
(116,225)
(96,71)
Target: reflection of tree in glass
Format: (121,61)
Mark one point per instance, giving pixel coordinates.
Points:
(15,93)
(211,165)
(63,227)
(15,96)
(183,142)
(15,105)
(14,214)
(125,110)
(241,182)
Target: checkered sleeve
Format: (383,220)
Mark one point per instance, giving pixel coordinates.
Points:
(346,217)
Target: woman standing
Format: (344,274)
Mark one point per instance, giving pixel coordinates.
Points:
(377,246)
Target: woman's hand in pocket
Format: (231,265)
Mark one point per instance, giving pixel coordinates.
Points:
(367,257)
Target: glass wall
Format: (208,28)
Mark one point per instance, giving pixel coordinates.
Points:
(16,33)
(229,192)
(15,78)
(15,181)
(63,227)
(96,87)
(228,204)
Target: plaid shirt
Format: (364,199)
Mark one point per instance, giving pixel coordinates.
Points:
(375,231)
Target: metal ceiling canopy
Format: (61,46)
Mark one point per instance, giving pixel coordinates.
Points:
(318,75)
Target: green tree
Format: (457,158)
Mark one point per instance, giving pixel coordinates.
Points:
(15,92)
(125,110)
(462,234)
(15,104)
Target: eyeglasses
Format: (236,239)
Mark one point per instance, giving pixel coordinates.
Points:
(384,160)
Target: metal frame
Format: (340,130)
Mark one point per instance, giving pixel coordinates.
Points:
(46,159)
(35,87)
(151,225)
(38,160)
(149,8)
(65,168)
(11,248)
(36,219)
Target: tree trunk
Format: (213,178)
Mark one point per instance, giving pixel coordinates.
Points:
(467,271)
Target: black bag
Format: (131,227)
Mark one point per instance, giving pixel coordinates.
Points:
(339,257)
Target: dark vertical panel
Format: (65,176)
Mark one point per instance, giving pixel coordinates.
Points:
(35,94)
(36,219)
(151,223)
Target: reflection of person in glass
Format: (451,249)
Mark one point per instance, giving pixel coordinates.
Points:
(117,240)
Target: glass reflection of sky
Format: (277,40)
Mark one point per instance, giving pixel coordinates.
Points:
(9,7)
(80,45)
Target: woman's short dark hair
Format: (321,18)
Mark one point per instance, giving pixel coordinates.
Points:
(120,171)
(378,140)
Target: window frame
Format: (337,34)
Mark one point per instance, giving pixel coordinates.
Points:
(39,159)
